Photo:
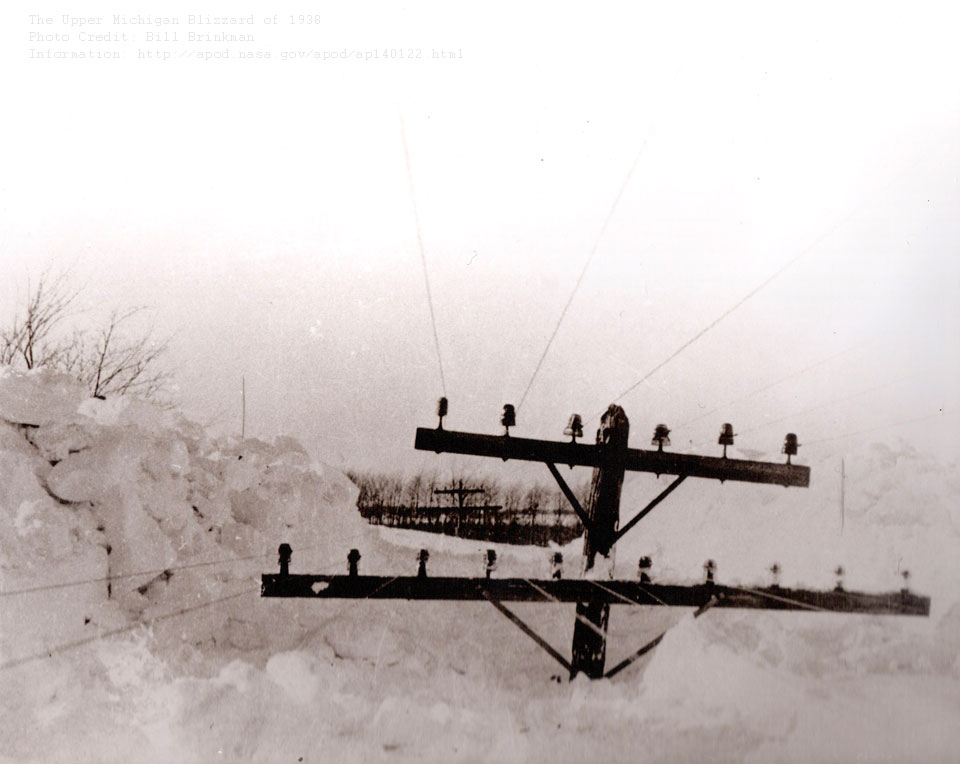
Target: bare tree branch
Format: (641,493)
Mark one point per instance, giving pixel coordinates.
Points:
(30,338)
(114,359)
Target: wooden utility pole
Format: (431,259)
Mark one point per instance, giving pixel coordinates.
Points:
(609,458)
(603,512)
(461,493)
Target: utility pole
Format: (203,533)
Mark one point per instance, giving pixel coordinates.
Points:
(603,512)
(460,492)
(610,458)
(596,590)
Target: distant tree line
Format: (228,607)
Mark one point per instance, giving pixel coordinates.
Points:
(509,513)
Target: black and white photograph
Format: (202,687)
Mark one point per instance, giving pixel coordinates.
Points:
(507,382)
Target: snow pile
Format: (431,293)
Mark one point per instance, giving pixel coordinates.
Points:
(177,658)
(806,691)
(124,490)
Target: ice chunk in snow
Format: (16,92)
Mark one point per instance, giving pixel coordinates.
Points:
(38,397)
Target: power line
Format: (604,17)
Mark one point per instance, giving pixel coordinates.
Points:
(880,427)
(155,572)
(121,576)
(147,622)
(423,257)
(825,404)
(740,302)
(776,382)
(776,598)
(121,630)
(628,600)
(593,251)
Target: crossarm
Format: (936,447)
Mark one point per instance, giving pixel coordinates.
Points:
(616,592)
(634,459)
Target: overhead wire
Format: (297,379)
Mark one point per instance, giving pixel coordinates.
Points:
(585,621)
(122,576)
(423,257)
(817,407)
(154,572)
(626,599)
(938,415)
(772,277)
(825,404)
(778,598)
(583,271)
(831,402)
(65,647)
(775,383)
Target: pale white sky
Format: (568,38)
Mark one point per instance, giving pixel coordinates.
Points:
(262,208)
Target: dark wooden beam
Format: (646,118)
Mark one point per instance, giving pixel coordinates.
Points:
(518,622)
(588,653)
(647,509)
(652,644)
(616,592)
(571,497)
(634,459)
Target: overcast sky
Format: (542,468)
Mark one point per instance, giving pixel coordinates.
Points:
(263,210)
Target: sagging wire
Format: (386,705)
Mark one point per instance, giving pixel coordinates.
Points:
(155,572)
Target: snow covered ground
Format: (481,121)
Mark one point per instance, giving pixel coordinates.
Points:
(178,659)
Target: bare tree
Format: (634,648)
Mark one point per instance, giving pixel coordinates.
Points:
(112,359)
(121,364)
(31,337)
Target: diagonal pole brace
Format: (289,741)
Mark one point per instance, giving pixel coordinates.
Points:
(643,512)
(653,643)
(527,630)
(571,497)
(586,622)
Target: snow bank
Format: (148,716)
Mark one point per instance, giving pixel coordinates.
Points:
(121,489)
(178,658)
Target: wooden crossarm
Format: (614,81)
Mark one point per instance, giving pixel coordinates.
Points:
(634,459)
(616,592)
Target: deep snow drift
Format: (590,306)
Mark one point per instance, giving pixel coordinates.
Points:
(176,658)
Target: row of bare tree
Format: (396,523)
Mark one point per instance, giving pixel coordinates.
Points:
(502,512)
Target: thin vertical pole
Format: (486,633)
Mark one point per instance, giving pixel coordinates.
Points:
(843,477)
